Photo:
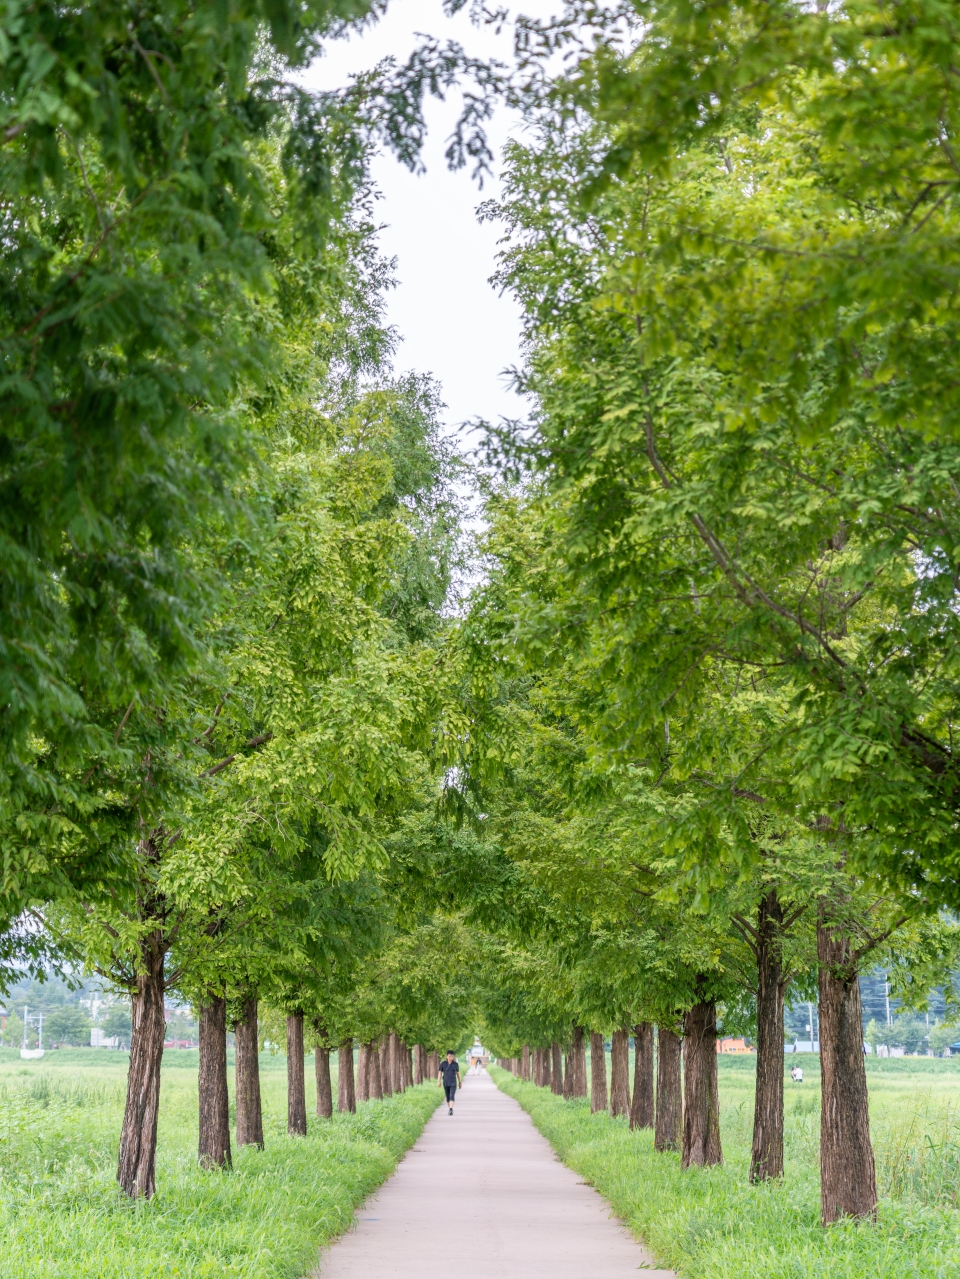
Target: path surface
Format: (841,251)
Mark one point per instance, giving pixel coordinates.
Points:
(483,1192)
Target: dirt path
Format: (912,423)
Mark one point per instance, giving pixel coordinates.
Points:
(484,1192)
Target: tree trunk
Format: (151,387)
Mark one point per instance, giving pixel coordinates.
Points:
(407,1067)
(321,1062)
(848,1183)
(386,1076)
(556,1070)
(433,1066)
(346,1090)
(138,1136)
(247,1054)
(525,1063)
(418,1055)
(374,1081)
(766,1158)
(669,1094)
(214,1098)
(701,1102)
(579,1053)
(547,1067)
(363,1074)
(598,1073)
(620,1073)
(568,1073)
(393,1057)
(296,1087)
(641,1108)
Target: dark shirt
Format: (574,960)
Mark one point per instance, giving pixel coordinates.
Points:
(449,1070)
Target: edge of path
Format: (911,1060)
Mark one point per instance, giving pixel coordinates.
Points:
(528,1095)
(423,1101)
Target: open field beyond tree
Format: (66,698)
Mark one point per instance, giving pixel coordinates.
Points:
(63,1216)
(712,1224)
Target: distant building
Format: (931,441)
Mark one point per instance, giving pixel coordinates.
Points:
(733,1046)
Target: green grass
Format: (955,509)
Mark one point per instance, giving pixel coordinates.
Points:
(711,1224)
(63,1217)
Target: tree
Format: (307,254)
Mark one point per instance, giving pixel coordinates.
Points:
(70,1025)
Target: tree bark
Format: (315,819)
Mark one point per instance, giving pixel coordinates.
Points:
(418,1056)
(556,1070)
(525,1063)
(766,1158)
(346,1089)
(620,1072)
(214,1142)
(296,1086)
(363,1074)
(579,1053)
(568,1073)
(433,1066)
(641,1108)
(547,1068)
(669,1124)
(598,1073)
(249,1106)
(138,1136)
(701,1101)
(848,1182)
(321,1062)
(374,1081)
(393,1051)
(386,1075)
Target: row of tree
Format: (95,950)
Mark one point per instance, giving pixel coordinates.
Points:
(229,532)
(717,644)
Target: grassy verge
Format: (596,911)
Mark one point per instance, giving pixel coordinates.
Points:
(62,1216)
(711,1224)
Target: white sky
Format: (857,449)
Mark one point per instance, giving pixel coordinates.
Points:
(452,322)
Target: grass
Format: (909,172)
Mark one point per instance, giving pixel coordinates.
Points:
(63,1217)
(711,1224)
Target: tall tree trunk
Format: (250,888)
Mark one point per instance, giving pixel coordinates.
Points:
(346,1089)
(556,1069)
(321,1063)
(393,1057)
(701,1101)
(669,1125)
(214,1099)
(547,1067)
(374,1081)
(620,1073)
(536,1066)
(525,1063)
(296,1087)
(579,1053)
(418,1056)
(641,1108)
(568,1073)
(363,1074)
(598,1073)
(766,1158)
(138,1136)
(247,1056)
(433,1066)
(407,1067)
(386,1074)
(848,1182)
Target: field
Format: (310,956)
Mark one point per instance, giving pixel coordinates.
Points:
(711,1224)
(62,1216)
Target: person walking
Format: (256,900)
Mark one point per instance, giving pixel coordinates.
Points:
(449,1079)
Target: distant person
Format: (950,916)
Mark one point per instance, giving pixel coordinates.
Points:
(449,1079)
(797,1074)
